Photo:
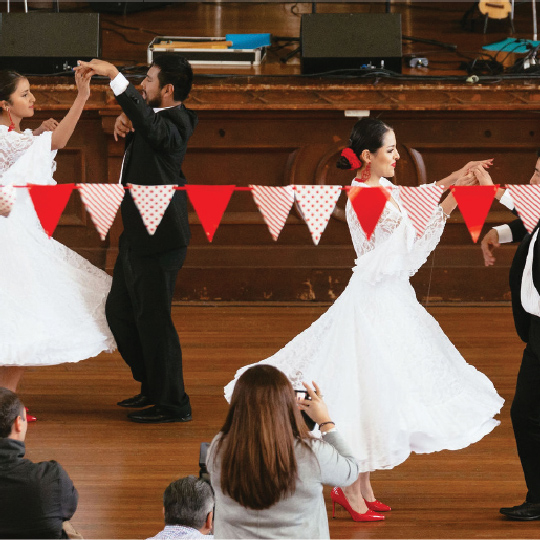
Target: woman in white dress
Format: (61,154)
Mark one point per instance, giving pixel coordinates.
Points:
(394,381)
(51,299)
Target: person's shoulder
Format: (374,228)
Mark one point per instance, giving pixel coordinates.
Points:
(50,470)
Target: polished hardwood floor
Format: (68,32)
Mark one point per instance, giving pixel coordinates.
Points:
(121,468)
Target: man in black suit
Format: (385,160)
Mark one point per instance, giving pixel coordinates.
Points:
(157,127)
(525,289)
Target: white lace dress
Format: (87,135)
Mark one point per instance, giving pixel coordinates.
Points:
(51,299)
(392,380)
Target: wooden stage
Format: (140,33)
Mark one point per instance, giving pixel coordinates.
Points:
(121,469)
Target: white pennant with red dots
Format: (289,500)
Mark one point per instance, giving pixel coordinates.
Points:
(152,201)
(7,200)
(274,203)
(420,203)
(527,201)
(102,202)
(316,203)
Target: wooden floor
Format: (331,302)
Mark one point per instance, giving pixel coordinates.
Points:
(121,468)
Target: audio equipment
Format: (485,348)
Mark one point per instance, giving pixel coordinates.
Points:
(336,41)
(47,43)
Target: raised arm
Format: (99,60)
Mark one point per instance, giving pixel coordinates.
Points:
(65,128)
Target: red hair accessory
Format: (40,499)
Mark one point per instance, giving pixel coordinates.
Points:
(352,158)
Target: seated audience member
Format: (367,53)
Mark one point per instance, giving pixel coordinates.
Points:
(188,506)
(266,470)
(35,498)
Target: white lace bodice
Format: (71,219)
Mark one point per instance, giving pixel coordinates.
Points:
(12,146)
(25,159)
(394,248)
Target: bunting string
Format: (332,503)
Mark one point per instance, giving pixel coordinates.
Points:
(314,202)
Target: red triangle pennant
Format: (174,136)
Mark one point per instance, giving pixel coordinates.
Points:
(210,203)
(474,203)
(49,203)
(368,203)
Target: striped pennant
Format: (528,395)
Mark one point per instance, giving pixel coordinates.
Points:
(152,201)
(316,203)
(7,200)
(274,203)
(527,201)
(102,202)
(420,202)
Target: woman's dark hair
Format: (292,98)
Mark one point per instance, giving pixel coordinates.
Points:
(257,447)
(10,407)
(8,83)
(367,134)
(176,70)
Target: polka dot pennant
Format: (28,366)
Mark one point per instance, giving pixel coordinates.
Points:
(316,203)
(420,203)
(274,203)
(8,195)
(152,201)
(527,201)
(102,202)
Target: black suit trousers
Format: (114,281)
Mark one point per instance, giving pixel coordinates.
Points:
(525,412)
(138,311)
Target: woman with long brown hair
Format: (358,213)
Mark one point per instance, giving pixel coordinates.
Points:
(266,471)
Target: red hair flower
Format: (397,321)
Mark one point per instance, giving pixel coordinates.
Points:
(352,158)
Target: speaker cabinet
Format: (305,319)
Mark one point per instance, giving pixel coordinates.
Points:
(47,43)
(334,41)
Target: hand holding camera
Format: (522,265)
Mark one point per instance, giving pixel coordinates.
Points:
(310,402)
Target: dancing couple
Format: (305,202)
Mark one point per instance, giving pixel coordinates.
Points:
(56,306)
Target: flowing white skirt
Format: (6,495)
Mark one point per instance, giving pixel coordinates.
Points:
(393,381)
(52,301)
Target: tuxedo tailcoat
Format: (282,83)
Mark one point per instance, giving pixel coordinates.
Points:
(525,411)
(139,305)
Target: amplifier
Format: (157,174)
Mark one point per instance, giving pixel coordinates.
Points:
(333,41)
(47,43)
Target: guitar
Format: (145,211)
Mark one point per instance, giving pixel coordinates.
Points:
(495,9)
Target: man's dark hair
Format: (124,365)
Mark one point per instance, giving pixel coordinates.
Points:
(176,70)
(188,502)
(538,153)
(10,407)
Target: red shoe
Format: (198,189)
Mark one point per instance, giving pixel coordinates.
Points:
(338,496)
(29,417)
(377,506)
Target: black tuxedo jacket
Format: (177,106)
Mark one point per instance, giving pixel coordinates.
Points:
(154,155)
(519,233)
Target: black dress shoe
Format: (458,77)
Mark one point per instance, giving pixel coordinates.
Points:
(136,402)
(158,415)
(523,512)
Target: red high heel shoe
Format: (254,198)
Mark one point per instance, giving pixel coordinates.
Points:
(377,506)
(338,496)
(29,417)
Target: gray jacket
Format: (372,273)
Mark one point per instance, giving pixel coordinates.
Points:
(301,515)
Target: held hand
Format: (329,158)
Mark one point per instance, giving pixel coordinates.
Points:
(489,242)
(82,80)
(122,126)
(485,164)
(46,125)
(98,67)
(315,408)
(484,178)
(467,180)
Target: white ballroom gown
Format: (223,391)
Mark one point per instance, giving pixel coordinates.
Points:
(52,301)
(392,380)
